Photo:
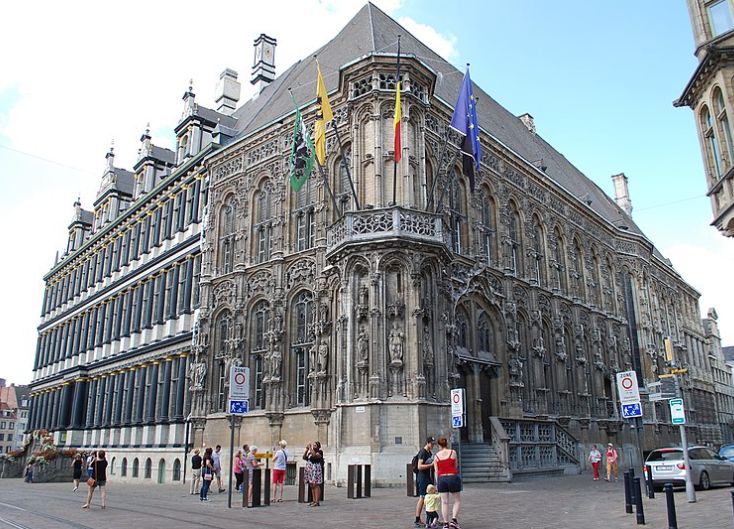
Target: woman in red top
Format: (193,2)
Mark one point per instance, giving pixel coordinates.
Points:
(448,482)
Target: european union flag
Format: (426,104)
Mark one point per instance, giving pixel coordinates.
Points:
(464,121)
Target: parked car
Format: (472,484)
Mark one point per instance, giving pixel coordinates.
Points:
(727,451)
(707,467)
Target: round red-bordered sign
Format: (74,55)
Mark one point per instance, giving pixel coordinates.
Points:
(627,383)
(239,379)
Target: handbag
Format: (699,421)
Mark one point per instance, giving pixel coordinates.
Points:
(208,474)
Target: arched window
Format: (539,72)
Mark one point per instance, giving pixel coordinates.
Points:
(305,224)
(176,470)
(183,148)
(222,330)
(112,466)
(514,240)
(559,258)
(259,327)
(538,253)
(610,293)
(487,228)
(227,235)
(578,269)
(136,467)
(262,227)
(148,468)
(596,278)
(485,334)
(457,206)
(724,129)
(302,343)
(342,187)
(712,146)
(123,467)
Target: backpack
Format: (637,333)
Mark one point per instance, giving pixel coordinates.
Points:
(414,463)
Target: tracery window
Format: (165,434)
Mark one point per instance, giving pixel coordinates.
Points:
(487,228)
(343,188)
(539,268)
(462,329)
(514,240)
(457,208)
(305,217)
(259,327)
(712,146)
(559,258)
(302,342)
(227,235)
(263,226)
(222,329)
(578,269)
(724,128)
(485,333)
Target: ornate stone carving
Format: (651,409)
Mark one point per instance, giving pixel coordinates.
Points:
(396,341)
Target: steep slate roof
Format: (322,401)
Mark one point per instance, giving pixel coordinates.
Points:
(372,31)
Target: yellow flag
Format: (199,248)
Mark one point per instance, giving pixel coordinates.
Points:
(324,115)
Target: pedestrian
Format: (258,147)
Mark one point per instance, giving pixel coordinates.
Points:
(97,479)
(29,473)
(448,482)
(433,500)
(280,463)
(612,462)
(217,462)
(195,472)
(76,470)
(90,460)
(423,476)
(250,463)
(317,445)
(239,466)
(595,460)
(207,474)
(313,474)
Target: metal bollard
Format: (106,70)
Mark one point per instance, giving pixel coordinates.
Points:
(627,493)
(650,483)
(632,486)
(670,500)
(638,502)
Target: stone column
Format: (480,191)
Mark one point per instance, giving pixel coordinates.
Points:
(43,415)
(128,416)
(112,383)
(162,415)
(55,399)
(66,395)
(152,397)
(180,389)
(91,404)
(117,416)
(140,397)
(101,392)
(79,404)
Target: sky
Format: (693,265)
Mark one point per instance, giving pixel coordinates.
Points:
(598,77)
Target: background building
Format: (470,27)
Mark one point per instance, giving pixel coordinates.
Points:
(710,95)
(14,409)
(356,315)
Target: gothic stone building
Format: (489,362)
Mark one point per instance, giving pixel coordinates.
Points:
(357,315)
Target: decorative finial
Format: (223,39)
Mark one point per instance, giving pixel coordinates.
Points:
(147,128)
(191,85)
(112,146)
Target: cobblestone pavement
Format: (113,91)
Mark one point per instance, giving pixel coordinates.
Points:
(571,502)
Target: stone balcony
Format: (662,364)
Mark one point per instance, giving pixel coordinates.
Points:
(394,223)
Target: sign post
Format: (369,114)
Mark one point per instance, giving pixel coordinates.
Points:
(629,399)
(678,416)
(237,405)
(457,415)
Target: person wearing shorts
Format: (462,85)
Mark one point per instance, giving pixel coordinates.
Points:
(448,482)
(280,462)
(423,478)
(99,474)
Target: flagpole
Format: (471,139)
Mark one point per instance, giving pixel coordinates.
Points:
(444,148)
(328,187)
(345,164)
(395,167)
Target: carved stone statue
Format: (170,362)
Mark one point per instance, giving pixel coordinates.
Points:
(197,374)
(536,334)
(427,348)
(363,346)
(560,351)
(276,359)
(515,365)
(323,355)
(396,343)
(363,296)
(312,356)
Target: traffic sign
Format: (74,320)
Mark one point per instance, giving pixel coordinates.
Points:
(627,387)
(677,411)
(238,406)
(239,383)
(457,402)
(457,421)
(632,409)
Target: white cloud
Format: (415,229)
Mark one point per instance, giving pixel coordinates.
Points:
(707,266)
(444,45)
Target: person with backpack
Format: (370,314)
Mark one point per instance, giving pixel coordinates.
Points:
(422,466)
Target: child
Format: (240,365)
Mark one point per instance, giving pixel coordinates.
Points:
(432,500)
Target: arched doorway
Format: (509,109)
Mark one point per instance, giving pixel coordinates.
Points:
(162,471)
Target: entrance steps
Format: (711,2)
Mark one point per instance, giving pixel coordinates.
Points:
(481,464)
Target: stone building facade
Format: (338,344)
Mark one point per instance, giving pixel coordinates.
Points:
(710,94)
(357,314)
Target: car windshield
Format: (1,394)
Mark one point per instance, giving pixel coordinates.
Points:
(665,455)
(727,451)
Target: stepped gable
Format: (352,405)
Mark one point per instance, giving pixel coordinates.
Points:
(373,31)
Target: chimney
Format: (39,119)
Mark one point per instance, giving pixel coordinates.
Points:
(621,193)
(263,66)
(228,92)
(528,121)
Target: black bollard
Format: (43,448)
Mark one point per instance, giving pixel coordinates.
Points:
(670,500)
(627,493)
(638,502)
(632,486)
(650,483)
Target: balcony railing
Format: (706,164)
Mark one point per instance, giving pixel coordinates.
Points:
(388,223)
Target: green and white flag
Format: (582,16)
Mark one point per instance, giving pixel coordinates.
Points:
(303,154)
